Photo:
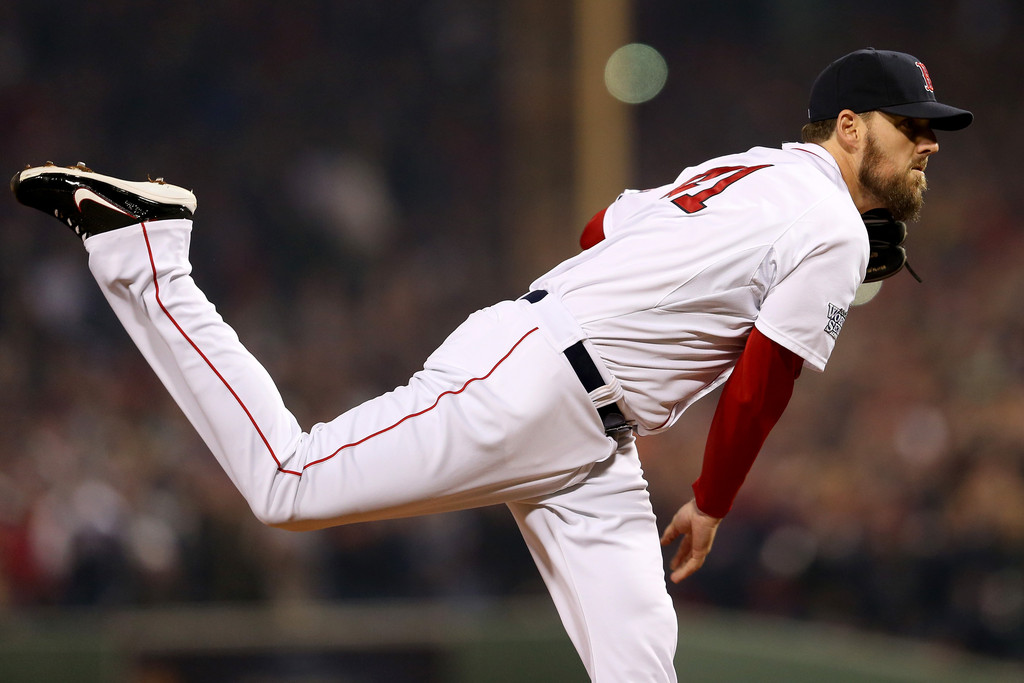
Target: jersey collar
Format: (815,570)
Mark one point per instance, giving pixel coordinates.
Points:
(821,159)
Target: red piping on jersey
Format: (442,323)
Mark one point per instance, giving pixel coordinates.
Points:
(241,404)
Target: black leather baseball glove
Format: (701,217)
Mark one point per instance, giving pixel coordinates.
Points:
(886,236)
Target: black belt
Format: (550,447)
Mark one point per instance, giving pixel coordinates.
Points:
(590,377)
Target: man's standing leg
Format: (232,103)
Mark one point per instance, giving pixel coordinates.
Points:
(596,546)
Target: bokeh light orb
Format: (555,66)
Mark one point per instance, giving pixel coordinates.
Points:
(635,73)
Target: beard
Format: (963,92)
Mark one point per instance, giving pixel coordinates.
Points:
(901,193)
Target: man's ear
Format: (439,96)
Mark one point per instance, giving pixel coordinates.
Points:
(850,130)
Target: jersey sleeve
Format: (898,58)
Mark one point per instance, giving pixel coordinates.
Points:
(818,265)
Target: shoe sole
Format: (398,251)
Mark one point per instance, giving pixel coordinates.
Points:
(153,190)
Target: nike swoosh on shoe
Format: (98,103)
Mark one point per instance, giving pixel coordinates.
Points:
(84,194)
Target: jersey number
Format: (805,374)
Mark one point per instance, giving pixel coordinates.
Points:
(691,195)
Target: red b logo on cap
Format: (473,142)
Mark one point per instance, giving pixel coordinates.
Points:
(927,79)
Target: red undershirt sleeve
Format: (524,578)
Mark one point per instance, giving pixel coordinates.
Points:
(593,232)
(754,398)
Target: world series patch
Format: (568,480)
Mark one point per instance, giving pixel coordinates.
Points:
(836,318)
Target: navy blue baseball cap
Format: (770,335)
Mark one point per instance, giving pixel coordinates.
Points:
(893,82)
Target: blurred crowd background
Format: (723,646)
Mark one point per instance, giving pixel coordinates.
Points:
(362,188)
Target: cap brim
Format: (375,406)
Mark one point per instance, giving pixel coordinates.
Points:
(941,116)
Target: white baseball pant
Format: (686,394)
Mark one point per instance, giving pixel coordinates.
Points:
(497,415)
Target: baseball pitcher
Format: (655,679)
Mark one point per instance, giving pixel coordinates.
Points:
(739,271)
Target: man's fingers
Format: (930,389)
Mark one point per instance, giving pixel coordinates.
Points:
(682,553)
(679,526)
(687,560)
(688,568)
(672,532)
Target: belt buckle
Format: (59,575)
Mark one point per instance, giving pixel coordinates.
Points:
(615,423)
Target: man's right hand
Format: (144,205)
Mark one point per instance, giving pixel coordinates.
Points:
(698,532)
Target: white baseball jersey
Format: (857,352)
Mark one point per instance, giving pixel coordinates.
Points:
(768,237)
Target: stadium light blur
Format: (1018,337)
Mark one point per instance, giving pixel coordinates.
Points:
(635,73)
